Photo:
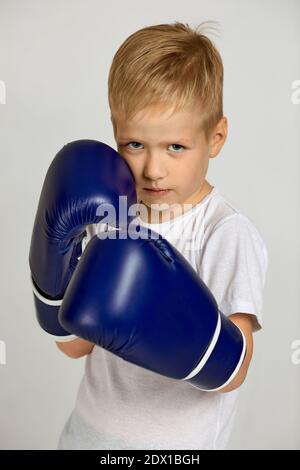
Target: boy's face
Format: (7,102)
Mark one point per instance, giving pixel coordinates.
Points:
(168,156)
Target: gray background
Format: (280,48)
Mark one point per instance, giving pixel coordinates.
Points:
(54,59)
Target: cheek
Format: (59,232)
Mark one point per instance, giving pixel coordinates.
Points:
(198,166)
(189,169)
(190,175)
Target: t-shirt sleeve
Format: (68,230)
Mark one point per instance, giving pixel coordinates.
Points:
(233,264)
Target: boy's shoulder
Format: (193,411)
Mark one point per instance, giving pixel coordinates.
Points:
(222,217)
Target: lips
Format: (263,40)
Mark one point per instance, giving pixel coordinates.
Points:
(156,190)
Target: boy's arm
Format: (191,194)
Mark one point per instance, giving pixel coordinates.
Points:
(244,322)
(76,348)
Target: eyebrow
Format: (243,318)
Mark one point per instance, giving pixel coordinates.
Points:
(132,139)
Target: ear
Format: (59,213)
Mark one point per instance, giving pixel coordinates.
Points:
(113,124)
(218,137)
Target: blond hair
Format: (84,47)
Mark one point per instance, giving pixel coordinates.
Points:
(167,65)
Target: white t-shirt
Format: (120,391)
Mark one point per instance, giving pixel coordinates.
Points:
(123,406)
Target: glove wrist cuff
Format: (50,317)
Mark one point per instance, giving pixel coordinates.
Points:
(42,298)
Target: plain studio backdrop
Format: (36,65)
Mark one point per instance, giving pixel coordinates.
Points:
(54,61)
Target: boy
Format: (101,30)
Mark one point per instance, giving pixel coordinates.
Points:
(165,96)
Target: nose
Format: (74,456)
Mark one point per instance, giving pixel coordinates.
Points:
(154,168)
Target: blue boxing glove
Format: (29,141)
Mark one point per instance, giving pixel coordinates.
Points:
(135,295)
(84,176)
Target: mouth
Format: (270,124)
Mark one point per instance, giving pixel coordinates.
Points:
(156,191)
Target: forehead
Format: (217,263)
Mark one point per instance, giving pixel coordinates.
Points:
(158,121)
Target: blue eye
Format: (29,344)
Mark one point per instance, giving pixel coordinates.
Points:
(177,145)
(133,143)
